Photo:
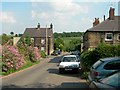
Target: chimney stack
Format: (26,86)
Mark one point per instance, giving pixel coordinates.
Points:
(111,13)
(104,17)
(38,26)
(96,22)
(51,26)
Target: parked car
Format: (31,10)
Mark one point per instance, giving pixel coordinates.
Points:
(69,63)
(75,53)
(104,67)
(56,52)
(112,82)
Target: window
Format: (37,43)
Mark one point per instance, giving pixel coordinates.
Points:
(42,41)
(32,39)
(42,48)
(97,64)
(119,36)
(114,65)
(108,36)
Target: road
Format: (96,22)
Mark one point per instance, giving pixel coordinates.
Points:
(44,75)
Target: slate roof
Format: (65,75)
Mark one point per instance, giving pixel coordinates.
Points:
(35,32)
(108,25)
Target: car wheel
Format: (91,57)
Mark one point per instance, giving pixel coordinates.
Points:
(60,71)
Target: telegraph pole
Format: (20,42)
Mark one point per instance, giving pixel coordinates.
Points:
(46,39)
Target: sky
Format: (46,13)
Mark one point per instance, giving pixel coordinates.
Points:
(66,16)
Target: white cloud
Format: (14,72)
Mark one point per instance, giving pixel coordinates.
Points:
(33,14)
(86,20)
(7,17)
(68,6)
(41,15)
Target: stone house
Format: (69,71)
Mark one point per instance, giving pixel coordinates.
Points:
(107,32)
(41,37)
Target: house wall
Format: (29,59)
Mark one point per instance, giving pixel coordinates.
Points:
(47,48)
(92,39)
(15,40)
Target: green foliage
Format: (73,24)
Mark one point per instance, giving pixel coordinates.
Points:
(68,34)
(73,44)
(42,53)
(85,75)
(58,43)
(102,51)
(12,33)
(5,39)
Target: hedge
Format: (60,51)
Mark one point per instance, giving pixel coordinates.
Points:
(102,51)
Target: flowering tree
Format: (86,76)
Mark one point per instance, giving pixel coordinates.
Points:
(11,59)
(33,53)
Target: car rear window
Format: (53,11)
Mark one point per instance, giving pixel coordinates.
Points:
(97,64)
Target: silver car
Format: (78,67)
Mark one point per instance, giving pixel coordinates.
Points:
(104,67)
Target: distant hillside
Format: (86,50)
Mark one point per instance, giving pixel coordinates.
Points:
(68,34)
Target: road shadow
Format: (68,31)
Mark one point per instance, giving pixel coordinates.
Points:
(10,87)
(66,73)
(56,59)
(47,85)
(80,85)
(35,85)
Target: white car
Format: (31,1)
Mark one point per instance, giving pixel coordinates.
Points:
(68,63)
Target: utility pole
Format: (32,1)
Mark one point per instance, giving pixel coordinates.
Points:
(46,39)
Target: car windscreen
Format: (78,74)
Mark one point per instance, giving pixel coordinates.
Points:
(69,59)
(97,64)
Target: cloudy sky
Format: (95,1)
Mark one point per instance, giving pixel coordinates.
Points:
(66,16)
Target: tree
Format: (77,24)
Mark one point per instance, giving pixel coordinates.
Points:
(12,33)
(58,44)
(5,38)
(74,45)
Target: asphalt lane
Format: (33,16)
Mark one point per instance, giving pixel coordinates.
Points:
(44,75)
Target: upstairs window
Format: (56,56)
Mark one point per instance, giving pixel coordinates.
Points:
(119,36)
(42,41)
(108,36)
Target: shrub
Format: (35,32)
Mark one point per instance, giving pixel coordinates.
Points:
(43,55)
(11,59)
(29,52)
(33,54)
(102,51)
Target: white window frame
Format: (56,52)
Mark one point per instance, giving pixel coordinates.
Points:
(42,48)
(106,39)
(118,37)
(32,39)
(42,41)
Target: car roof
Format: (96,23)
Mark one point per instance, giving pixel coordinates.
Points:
(110,58)
(70,56)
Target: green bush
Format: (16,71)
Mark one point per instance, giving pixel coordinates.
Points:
(102,51)
(43,55)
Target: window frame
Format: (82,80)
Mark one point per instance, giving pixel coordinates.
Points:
(42,41)
(118,36)
(106,39)
(42,48)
